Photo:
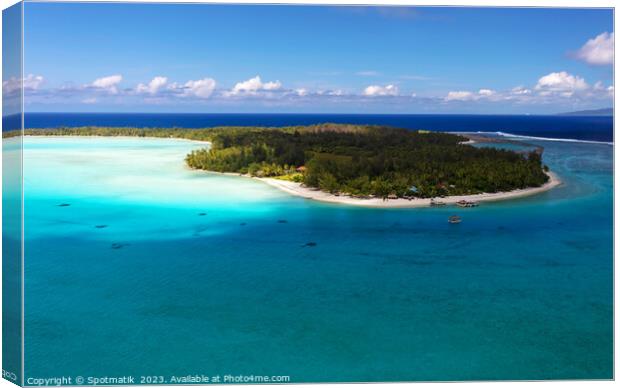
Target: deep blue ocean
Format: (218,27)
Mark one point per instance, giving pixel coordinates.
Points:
(150,268)
(596,128)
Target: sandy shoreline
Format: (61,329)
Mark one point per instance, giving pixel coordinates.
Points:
(317,195)
(298,190)
(180,139)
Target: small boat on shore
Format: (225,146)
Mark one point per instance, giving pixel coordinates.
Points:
(437,203)
(464,203)
(454,220)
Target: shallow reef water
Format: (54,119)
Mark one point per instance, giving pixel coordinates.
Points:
(155,269)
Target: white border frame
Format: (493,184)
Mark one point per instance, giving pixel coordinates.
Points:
(445,3)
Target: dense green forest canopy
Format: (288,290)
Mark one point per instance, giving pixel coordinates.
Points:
(356,160)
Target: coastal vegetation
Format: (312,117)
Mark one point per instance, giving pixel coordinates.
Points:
(355,160)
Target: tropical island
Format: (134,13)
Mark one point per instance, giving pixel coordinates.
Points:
(355,164)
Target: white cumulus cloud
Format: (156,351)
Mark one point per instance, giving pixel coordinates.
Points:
(464,95)
(331,92)
(108,83)
(30,82)
(378,90)
(486,92)
(33,81)
(253,86)
(202,88)
(520,91)
(561,83)
(460,95)
(599,50)
(272,85)
(154,86)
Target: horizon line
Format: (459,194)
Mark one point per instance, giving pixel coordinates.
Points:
(325,113)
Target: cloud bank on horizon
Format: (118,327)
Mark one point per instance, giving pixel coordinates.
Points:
(375,86)
(557,87)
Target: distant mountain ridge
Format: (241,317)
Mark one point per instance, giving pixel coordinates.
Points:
(590,112)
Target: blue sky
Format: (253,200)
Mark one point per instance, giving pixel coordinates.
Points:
(231,58)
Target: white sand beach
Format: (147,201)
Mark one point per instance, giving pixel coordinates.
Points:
(318,195)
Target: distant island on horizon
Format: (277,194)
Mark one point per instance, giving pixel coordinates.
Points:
(602,111)
(552,126)
(590,112)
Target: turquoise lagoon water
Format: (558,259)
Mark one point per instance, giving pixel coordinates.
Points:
(520,290)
